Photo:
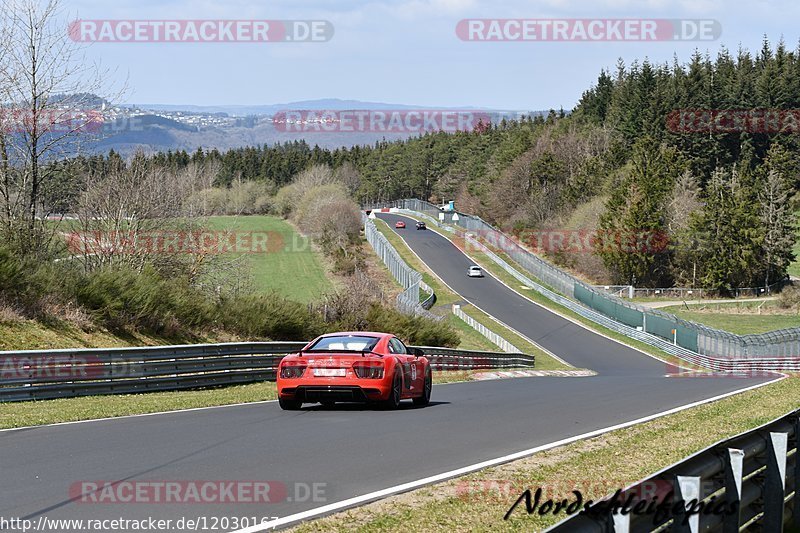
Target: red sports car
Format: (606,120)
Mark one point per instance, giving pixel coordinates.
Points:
(400,224)
(354,367)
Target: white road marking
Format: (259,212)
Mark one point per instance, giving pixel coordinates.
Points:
(135,416)
(189,409)
(411,485)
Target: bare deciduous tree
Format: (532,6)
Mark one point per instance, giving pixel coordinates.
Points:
(685,200)
(348,175)
(119,214)
(48,107)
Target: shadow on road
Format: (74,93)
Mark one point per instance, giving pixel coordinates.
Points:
(350,407)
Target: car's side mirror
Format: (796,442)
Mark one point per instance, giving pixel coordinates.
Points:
(416,352)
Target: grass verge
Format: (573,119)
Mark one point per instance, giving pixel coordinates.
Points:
(737,318)
(291,257)
(596,466)
(470,338)
(25,334)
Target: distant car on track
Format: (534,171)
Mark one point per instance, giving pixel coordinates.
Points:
(400,224)
(421,225)
(475,272)
(354,367)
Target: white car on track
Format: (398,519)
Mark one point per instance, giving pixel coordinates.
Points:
(475,272)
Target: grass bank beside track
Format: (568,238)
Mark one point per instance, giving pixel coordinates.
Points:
(471,339)
(741,318)
(26,334)
(293,258)
(288,255)
(34,413)
(543,360)
(596,466)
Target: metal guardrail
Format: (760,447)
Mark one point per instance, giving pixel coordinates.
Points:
(753,476)
(47,374)
(430,301)
(452,359)
(780,348)
(408,278)
(493,337)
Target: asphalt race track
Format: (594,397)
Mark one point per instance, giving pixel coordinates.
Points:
(350,450)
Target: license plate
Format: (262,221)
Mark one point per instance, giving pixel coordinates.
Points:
(329,372)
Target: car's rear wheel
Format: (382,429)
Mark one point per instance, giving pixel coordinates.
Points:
(289,405)
(425,399)
(393,402)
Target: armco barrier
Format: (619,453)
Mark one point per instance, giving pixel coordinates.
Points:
(411,280)
(45,374)
(753,478)
(697,343)
(493,337)
(430,301)
(451,359)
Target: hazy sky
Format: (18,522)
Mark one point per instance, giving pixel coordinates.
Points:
(405,51)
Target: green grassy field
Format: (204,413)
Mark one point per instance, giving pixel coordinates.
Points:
(290,267)
(736,318)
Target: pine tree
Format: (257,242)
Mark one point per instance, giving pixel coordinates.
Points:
(728,230)
(638,207)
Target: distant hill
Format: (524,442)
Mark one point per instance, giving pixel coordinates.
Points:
(162,127)
(271,109)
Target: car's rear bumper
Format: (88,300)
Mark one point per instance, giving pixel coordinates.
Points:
(313,393)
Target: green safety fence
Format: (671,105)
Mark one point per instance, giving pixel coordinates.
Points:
(659,324)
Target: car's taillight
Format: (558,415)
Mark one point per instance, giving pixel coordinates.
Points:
(292,371)
(368,371)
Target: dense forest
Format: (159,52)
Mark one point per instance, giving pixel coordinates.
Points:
(724,197)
